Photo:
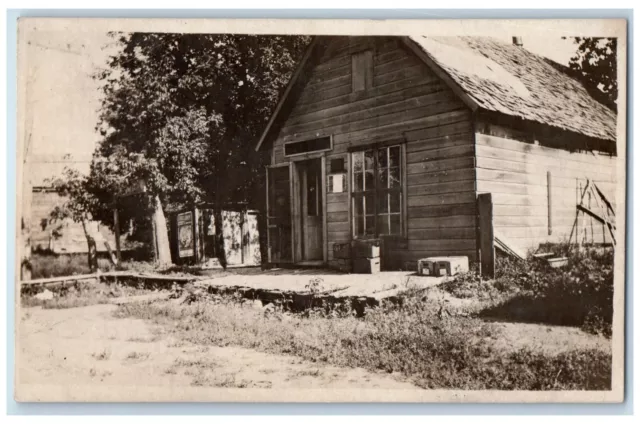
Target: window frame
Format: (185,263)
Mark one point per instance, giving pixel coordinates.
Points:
(354,195)
(309,152)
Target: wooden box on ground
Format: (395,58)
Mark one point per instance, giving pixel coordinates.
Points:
(365,249)
(366,265)
(443,265)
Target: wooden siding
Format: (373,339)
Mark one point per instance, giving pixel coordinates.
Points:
(516,173)
(407,101)
(71,237)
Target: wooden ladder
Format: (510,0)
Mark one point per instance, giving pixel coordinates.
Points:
(605,214)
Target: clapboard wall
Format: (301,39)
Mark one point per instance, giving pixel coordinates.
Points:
(407,101)
(523,175)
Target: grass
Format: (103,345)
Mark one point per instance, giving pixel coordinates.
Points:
(103,355)
(202,378)
(48,265)
(140,339)
(455,352)
(137,356)
(80,295)
(580,294)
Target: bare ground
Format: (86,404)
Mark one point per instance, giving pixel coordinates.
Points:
(87,347)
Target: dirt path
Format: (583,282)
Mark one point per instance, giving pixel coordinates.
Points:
(89,347)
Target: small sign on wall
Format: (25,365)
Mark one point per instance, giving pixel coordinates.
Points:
(337,183)
(185,234)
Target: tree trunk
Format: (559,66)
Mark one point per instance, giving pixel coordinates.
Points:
(92,249)
(161,235)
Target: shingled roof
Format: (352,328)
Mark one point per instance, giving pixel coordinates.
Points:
(509,79)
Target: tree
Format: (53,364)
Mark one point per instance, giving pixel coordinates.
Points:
(73,186)
(595,63)
(182,112)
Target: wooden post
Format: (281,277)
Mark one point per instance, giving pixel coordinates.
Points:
(116,227)
(486,242)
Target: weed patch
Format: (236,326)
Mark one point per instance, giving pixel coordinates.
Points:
(580,294)
(80,295)
(137,356)
(454,352)
(102,355)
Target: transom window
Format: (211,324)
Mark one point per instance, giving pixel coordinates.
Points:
(307,146)
(376,192)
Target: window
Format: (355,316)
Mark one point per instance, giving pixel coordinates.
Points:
(376,192)
(306,146)
(362,70)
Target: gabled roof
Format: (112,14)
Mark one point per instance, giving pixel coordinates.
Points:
(498,77)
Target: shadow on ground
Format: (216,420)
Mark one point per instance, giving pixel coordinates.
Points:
(251,270)
(529,309)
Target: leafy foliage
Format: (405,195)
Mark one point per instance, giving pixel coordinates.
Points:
(181,112)
(595,62)
(191,106)
(580,294)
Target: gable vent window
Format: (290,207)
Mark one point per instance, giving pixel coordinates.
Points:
(362,70)
(307,146)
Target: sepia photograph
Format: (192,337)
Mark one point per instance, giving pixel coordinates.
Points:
(320,211)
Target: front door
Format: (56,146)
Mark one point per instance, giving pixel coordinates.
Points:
(310,177)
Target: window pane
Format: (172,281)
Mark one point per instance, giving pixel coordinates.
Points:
(383,203)
(294,148)
(358,205)
(368,159)
(394,177)
(369,205)
(359,225)
(358,182)
(370,225)
(382,158)
(383,224)
(379,211)
(394,156)
(394,202)
(382,178)
(357,159)
(395,224)
(368,180)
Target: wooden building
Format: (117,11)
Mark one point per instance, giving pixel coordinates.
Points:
(192,232)
(66,237)
(395,138)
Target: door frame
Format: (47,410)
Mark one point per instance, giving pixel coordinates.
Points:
(267,186)
(295,205)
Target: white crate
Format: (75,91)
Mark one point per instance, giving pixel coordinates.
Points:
(443,265)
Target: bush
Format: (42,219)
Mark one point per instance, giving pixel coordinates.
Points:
(410,339)
(580,294)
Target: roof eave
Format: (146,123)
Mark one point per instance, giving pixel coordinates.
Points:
(292,82)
